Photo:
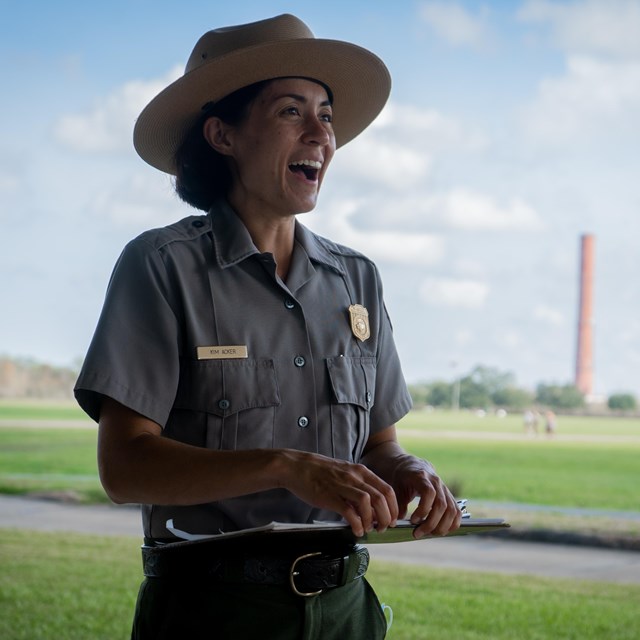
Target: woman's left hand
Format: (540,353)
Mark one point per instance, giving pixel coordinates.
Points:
(410,477)
(437,512)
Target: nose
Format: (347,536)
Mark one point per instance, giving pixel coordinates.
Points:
(318,132)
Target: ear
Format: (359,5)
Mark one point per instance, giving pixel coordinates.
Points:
(217,134)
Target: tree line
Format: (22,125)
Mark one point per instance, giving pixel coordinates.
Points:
(488,388)
(482,388)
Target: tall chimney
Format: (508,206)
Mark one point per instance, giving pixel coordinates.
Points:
(584,354)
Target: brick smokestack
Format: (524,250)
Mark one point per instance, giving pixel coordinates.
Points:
(584,354)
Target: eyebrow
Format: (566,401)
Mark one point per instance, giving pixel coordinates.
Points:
(299,98)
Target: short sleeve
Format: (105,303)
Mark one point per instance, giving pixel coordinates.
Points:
(134,354)
(392,398)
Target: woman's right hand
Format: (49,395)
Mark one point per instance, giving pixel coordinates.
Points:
(361,497)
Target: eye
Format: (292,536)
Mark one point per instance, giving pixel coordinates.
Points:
(291,111)
(326,117)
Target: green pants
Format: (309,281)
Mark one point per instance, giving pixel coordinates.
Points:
(171,609)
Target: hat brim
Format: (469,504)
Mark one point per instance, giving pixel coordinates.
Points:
(358,79)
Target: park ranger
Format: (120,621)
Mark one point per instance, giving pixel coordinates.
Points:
(243,369)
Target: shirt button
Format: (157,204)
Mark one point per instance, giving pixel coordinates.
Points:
(303,422)
(299,361)
(290,304)
(224,404)
(368,397)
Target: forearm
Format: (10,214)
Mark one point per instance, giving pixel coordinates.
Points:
(384,458)
(154,470)
(137,464)
(412,477)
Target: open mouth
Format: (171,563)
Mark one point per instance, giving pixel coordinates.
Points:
(310,168)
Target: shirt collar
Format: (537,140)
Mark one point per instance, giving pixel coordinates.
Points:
(316,249)
(233,243)
(231,239)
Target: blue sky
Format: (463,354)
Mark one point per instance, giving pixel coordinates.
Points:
(512,129)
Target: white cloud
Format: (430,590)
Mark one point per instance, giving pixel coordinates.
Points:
(469,267)
(473,211)
(449,292)
(609,27)
(463,337)
(510,339)
(427,128)
(145,200)
(454,24)
(109,125)
(399,150)
(385,164)
(458,209)
(593,99)
(396,247)
(549,315)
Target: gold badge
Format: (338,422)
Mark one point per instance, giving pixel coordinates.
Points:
(359,321)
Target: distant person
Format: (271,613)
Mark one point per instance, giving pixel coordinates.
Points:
(243,369)
(531,418)
(550,423)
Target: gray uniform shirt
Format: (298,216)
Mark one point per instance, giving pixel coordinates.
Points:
(307,382)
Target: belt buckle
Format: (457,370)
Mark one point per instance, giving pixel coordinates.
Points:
(293,573)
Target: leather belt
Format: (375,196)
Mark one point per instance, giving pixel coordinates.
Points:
(307,574)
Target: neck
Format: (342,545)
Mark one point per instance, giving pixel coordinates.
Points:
(271,234)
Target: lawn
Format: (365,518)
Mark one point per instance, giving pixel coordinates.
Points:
(573,474)
(45,460)
(560,472)
(512,424)
(79,587)
(34,409)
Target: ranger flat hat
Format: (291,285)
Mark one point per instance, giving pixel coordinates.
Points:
(227,59)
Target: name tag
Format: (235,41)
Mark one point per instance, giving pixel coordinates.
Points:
(222,352)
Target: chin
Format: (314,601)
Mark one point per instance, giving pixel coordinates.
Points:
(306,207)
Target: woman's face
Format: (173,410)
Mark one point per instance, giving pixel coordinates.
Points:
(280,152)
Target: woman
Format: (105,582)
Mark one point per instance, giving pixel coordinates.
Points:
(243,369)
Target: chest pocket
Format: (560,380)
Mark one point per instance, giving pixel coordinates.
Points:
(236,400)
(353,382)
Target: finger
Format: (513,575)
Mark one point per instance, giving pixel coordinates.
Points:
(374,507)
(385,506)
(382,498)
(350,514)
(444,517)
(438,509)
(428,495)
(383,517)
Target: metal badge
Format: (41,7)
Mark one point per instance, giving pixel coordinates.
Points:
(359,321)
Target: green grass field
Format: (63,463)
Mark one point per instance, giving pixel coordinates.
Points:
(11,409)
(79,587)
(592,463)
(37,460)
(512,424)
(84,587)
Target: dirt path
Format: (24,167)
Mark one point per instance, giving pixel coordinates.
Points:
(470,553)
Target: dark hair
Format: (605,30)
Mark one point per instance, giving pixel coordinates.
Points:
(202,174)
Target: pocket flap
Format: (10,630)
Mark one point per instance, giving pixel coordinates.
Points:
(353,380)
(225,387)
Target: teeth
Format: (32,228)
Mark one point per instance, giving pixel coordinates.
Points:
(314,164)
